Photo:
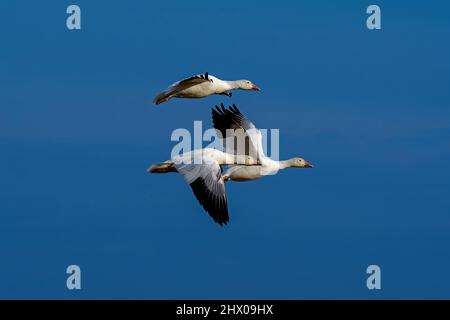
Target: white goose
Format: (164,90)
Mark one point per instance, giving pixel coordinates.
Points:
(202,85)
(231,123)
(201,169)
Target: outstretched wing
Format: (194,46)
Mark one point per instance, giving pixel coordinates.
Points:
(205,179)
(239,134)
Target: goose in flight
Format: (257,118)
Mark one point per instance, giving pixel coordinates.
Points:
(232,124)
(202,85)
(201,169)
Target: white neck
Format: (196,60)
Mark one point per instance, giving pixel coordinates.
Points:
(231,84)
(274,165)
(284,164)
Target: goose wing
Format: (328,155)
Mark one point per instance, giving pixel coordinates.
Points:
(239,134)
(199,78)
(205,178)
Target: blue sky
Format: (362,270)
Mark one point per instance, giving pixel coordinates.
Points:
(77,131)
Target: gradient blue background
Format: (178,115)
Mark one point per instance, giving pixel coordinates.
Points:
(371,109)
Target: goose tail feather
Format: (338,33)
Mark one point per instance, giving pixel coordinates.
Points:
(163,167)
(162,97)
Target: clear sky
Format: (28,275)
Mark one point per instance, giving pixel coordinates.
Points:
(370,109)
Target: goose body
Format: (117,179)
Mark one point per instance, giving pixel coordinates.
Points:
(247,173)
(202,85)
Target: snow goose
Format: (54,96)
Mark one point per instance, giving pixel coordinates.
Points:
(201,169)
(202,85)
(231,123)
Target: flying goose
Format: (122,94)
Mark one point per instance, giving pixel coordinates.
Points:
(231,123)
(202,85)
(201,169)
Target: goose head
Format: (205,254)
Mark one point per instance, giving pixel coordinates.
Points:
(247,85)
(299,163)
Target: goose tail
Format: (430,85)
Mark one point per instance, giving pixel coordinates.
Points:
(163,167)
(162,97)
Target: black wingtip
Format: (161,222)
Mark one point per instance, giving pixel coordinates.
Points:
(217,110)
(218,211)
(222,222)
